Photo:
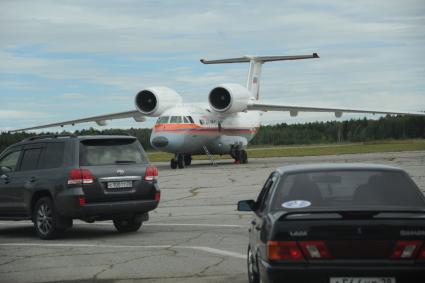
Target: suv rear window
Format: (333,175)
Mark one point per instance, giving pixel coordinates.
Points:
(348,189)
(111,151)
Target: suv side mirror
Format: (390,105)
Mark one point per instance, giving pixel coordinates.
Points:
(247,205)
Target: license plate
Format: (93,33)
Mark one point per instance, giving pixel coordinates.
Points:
(120,184)
(362,280)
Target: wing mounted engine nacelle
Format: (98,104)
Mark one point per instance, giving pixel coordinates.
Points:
(229,98)
(153,101)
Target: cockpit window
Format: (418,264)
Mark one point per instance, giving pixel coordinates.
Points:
(175,120)
(162,120)
(186,121)
(190,119)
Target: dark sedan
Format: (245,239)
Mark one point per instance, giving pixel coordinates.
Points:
(337,223)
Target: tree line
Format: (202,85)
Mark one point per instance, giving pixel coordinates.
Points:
(355,130)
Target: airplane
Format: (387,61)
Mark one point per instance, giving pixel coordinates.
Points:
(225,125)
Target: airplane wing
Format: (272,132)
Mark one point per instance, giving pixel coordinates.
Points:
(294,109)
(100,120)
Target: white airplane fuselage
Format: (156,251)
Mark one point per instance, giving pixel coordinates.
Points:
(186,129)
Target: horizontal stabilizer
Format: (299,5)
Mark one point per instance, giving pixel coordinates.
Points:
(246,59)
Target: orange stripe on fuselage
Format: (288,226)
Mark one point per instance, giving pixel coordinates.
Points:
(177,128)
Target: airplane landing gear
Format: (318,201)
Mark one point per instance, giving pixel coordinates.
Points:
(173,163)
(180,160)
(240,156)
(187,159)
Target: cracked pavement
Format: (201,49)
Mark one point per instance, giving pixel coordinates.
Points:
(196,234)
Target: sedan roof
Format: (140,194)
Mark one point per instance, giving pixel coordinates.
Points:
(334,167)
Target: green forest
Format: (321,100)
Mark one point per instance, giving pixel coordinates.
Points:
(360,130)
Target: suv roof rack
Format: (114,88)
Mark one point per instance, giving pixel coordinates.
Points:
(39,137)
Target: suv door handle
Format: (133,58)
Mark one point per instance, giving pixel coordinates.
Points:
(32,179)
(258,228)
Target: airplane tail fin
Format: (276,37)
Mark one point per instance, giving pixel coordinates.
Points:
(255,63)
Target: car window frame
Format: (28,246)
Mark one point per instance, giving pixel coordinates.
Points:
(40,146)
(18,162)
(266,193)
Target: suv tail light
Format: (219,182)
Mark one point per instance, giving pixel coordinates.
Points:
(151,173)
(283,251)
(422,253)
(406,249)
(315,249)
(80,176)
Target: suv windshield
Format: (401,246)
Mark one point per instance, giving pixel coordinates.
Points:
(111,151)
(346,189)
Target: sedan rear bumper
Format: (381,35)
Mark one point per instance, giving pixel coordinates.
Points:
(323,273)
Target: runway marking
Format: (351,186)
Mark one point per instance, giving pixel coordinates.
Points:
(103,246)
(147,224)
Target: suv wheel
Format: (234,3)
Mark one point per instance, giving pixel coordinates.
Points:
(46,219)
(131,224)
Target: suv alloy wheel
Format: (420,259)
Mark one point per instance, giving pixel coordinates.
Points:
(46,219)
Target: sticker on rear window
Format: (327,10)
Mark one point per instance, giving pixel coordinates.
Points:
(296,204)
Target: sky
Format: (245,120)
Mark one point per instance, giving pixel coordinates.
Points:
(62,60)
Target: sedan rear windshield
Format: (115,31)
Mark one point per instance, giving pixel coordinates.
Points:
(111,151)
(346,189)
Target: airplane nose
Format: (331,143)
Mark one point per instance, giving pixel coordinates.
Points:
(159,141)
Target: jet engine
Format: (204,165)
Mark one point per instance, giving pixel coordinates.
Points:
(154,101)
(229,98)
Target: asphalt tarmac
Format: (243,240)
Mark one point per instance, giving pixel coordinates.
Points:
(196,234)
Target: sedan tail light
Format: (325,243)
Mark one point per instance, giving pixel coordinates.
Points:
(283,251)
(315,249)
(80,176)
(151,173)
(406,249)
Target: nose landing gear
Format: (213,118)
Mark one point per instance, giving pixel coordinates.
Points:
(180,160)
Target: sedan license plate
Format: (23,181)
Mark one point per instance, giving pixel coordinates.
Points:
(120,184)
(362,280)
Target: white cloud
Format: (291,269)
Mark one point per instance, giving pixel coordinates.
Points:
(16,114)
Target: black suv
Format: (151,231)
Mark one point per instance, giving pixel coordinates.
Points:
(55,179)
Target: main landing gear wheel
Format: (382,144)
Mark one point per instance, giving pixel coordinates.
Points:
(180,161)
(187,159)
(244,156)
(240,156)
(173,163)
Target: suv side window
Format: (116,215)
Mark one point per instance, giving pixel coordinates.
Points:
(264,197)
(10,160)
(52,156)
(30,159)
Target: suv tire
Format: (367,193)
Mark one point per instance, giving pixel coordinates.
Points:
(47,222)
(130,224)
